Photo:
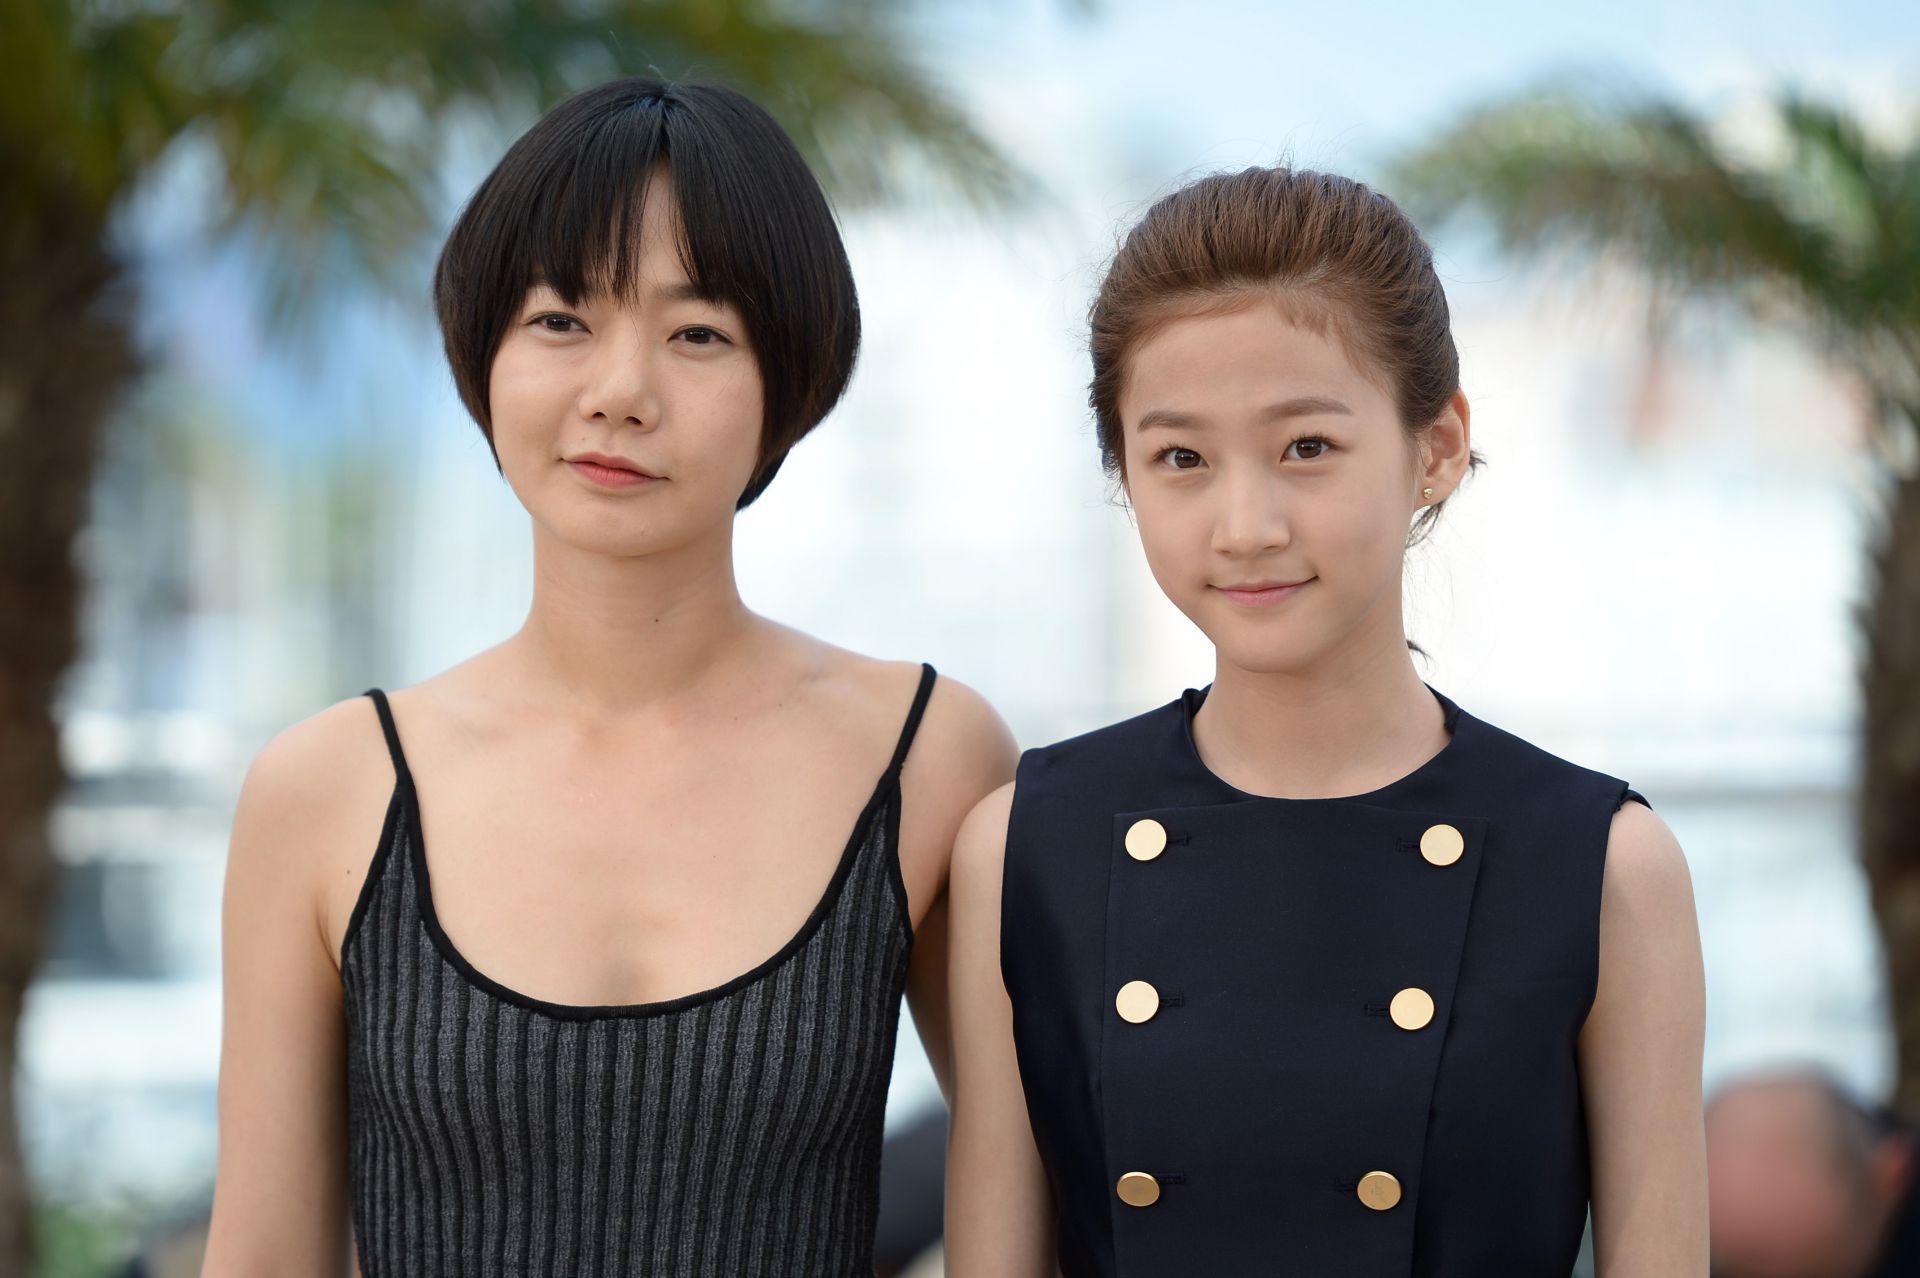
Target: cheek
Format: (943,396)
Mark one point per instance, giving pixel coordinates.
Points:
(1356,525)
(715,418)
(740,398)
(1175,535)
(521,395)
(1349,535)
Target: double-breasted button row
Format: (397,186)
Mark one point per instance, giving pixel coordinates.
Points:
(1377,1189)
(1441,844)
(1411,1009)
(1138,1002)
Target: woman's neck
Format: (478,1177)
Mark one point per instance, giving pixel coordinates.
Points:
(608,634)
(1322,733)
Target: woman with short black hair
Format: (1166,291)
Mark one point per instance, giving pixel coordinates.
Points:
(592,976)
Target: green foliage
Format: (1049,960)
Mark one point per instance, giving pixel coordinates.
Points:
(1817,225)
(326,121)
(85,1239)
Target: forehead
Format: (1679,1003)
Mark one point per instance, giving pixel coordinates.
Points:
(1251,355)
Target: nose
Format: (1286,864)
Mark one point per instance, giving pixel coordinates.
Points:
(621,387)
(1252,516)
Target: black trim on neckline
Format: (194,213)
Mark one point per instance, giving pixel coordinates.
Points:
(1458,723)
(405,795)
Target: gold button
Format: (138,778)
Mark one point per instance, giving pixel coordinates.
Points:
(1412,1009)
(1137,1001)
(1379,1190)
(1146,839)
(1442,845)
(1137,1189)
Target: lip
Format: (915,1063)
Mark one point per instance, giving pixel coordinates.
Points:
(1261,594)
(604,470)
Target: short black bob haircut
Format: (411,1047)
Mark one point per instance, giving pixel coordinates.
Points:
(564,205)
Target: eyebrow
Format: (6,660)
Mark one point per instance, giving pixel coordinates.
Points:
(1299,406)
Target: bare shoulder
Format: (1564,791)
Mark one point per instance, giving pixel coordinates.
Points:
(961,750)
(962,726)
(960,735)
(979,852)
(300,775)
(310,810)
(1645,868)
(1650,964)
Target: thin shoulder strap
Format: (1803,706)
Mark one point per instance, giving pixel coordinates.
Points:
(913,717)
(392,734)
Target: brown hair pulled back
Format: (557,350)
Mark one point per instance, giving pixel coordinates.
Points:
(1333,253)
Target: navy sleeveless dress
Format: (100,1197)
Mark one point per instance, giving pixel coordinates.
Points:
(732,1131)
(1319,1037)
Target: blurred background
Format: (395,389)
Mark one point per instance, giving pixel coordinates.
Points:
(1681,241)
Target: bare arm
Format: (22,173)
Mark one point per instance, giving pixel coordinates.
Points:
(963,751)
(1640,1061)
(280,1193)
(999,1208)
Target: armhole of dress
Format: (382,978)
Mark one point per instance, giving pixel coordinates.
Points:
(389,827)
(897,800)
(1627,794)
(1023,789)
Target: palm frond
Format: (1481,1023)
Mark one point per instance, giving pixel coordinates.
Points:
(330,121)
(1819,230)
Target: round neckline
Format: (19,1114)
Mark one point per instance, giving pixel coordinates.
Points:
(1456,721)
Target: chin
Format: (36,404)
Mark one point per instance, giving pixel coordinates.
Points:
(1263,649)
(1266,659)
(618,534)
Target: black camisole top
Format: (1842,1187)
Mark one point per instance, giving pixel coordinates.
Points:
(732,1131)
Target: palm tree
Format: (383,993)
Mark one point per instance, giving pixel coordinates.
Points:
(318,125)
(1822,234)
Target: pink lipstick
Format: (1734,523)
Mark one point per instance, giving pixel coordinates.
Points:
(605,471)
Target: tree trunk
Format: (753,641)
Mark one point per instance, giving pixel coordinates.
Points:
(66,357)
(1890,765)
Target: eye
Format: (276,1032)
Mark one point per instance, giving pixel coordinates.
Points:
(1320,447)
(553,322)
(700,335)
(1178,458)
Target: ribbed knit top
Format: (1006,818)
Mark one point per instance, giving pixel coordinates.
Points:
(735,1131)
